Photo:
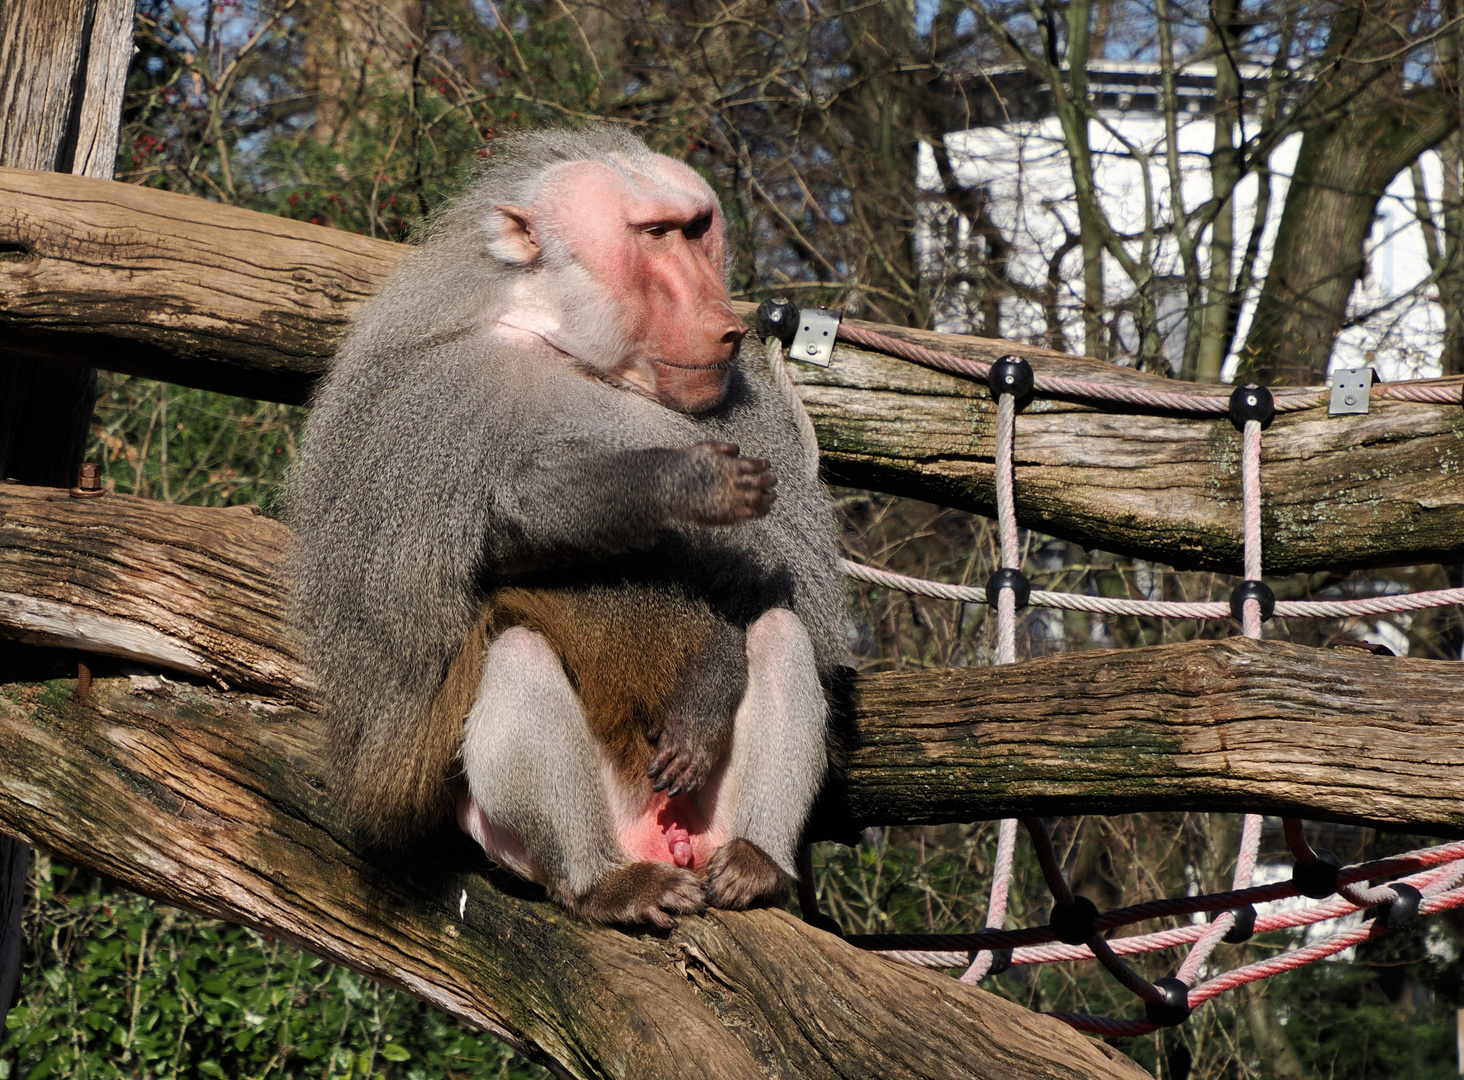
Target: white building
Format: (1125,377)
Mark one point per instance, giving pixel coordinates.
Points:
(1020,162)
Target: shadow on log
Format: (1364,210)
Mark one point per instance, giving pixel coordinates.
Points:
(215,296)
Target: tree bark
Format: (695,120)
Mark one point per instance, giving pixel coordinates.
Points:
(214,803)
(140,280)
(1364,127)
(1230,725)
(63,69)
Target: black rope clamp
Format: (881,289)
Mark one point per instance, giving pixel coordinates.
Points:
(1174,1009)
(1008,578)
(777,318)
(1402,913)
(1251,402)
(1010,375)
(1318,879)
(1245,925)
(1258,591)
(1001,960)
(1073,925)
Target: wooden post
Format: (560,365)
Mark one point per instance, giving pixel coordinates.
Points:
(63,69)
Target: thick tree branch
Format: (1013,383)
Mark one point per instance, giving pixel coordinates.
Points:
(1230,725)
(208,295)
(213,802)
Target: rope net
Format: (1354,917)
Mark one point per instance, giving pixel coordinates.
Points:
(1413,886)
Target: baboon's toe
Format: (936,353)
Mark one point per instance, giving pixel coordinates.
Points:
(741,875)
(643,892)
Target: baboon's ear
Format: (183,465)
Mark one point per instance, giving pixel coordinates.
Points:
(512,235)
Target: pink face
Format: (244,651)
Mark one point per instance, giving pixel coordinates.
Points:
(656,242)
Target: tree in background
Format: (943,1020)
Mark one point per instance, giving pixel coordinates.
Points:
(1356,91)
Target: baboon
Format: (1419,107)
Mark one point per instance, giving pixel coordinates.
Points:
(542,568)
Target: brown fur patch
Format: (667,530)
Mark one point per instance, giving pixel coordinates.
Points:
(624,649)
(741,875)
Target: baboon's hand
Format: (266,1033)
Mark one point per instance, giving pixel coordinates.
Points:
(734,488)
(684,757)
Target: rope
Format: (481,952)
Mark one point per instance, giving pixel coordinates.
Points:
(1006,523)
(1001,882)
(1439,888)
(1039,944)
(1006,653)
(1211,402)
(1296,958)
(1158,609)
(1449,856)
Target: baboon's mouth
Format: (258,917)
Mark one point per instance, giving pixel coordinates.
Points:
(725,365)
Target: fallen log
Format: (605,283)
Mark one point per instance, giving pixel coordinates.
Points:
(1204,725)
(213,802)
(204,294)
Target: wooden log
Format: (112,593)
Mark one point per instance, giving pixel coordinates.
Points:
(212,802)
(216,296)
(1338,493)
(186,588)
(175,287)
(1205,725)
(1232,725)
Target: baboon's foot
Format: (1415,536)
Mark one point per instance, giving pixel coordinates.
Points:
(642,892)
(742,875)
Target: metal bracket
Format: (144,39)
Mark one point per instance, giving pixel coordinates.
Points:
(1351,388)
(814,341)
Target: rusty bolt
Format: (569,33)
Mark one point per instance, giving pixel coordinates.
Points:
(89,482)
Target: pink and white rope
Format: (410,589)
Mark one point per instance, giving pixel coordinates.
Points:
(1435,900)
(1001,885)
(1448,856)
(1437,392)
(1245,868)
(1250,497)
(1436,885)
(1006,653)
(1158,609)
(1296,958)
(1439,879)
(1006,524)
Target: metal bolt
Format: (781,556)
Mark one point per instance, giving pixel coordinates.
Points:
(89,482)
(1350,399)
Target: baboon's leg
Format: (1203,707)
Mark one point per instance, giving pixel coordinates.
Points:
(777,763)
(537,798)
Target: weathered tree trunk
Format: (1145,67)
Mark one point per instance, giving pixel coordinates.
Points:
(1227,725)
(1365,127)
(141,278)
(63,67)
